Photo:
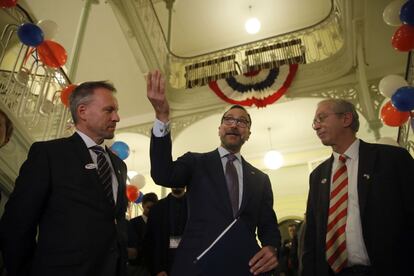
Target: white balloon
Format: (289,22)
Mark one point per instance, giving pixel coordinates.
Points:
(138,181)
(23,76)
(389,84)
(387,141)
(49,28)
(391,14)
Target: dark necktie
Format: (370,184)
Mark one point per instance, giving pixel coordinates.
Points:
(104,172)
(232,180)
(336,253)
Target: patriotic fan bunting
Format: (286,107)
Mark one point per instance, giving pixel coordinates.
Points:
(258,88)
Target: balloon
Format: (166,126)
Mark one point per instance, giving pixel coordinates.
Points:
(387,141)
(52,54)
(49,28)
(392,117)
(403,38)
(23,76)
(132,193)
(389,84)
(7,3)
(391,14)
(403,99)
(30,34)
(407,13)
(139,199)
(138,181)
(121,149)
(65,94)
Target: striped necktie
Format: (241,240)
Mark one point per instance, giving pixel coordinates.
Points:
(104,172)
(336,253)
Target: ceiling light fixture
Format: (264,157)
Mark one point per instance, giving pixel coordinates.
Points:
(252,24)
(273,159)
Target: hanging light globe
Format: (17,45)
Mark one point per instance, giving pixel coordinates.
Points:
(273,160)
(252,25)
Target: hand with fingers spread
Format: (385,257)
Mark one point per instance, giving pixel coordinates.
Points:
(264,260)
(156,95)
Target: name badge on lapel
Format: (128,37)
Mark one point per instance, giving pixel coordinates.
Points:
(90,166)
(174,241)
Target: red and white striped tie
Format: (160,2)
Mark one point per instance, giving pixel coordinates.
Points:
(336,254)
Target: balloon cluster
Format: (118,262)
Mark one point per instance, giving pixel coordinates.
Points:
(396,112)
(39,36)
(400,13)
(133,189)
(121,149)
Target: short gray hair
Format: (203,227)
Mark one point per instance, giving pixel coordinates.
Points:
(83,93)
(342,106)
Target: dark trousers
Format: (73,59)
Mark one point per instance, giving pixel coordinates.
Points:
(356,270)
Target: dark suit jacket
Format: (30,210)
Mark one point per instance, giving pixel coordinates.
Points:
(209,204)
(136,233)
(56,196)
(385,193)
(157,238)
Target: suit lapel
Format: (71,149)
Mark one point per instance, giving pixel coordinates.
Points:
(85,158)
(325,189)
(248,183)
(121,181)
(215,171)
(365,171)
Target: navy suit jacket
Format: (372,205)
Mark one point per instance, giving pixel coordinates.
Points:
(62,201)
(385,194)
(209,204)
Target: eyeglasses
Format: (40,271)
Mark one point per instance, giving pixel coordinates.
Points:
(228,121)
(319,119)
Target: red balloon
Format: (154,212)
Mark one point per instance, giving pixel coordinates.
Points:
(52,54)
(403,38)
(8,3)
(392,117)
(132,193)
(65,94)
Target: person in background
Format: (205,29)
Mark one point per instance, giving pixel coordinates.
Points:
(359,216)
(165,227)
(6,128)
(221,186)
(6,131)
(66,214)
(137,263)
(289,252)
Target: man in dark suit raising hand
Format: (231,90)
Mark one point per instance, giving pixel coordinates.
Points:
(70,193)
(221,186)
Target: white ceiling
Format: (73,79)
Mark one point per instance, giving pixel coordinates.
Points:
(198,27)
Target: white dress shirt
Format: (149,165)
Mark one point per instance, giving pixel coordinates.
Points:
(90,143)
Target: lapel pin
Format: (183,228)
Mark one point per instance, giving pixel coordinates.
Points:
(366,176)
(252,172)
(324,180)
(90,166)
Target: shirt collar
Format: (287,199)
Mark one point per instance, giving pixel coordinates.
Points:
(223,152)
(351,152)
(86,139)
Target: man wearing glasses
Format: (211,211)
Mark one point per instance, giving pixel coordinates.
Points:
(360,216)
(221,186)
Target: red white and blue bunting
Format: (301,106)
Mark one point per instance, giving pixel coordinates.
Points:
(259,88)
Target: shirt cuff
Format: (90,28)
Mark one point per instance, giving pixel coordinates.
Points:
(160,129)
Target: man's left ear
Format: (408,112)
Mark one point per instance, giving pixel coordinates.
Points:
(348,118)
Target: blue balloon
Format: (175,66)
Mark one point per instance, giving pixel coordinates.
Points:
(139,199)
(30,34)
(403,98)
(407,13)
(121,149)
